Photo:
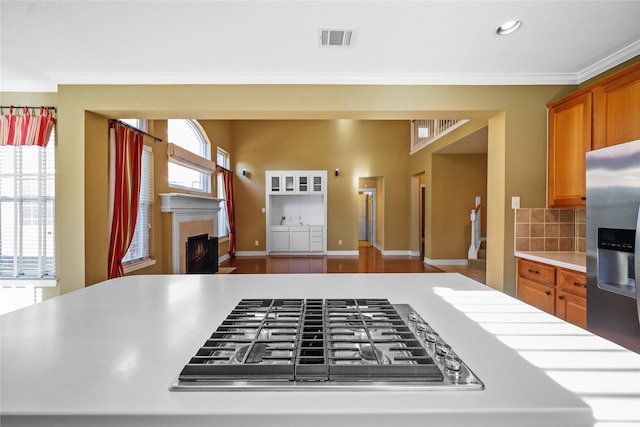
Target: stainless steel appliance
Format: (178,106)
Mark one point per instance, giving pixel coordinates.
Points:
(613,242)
(332,344)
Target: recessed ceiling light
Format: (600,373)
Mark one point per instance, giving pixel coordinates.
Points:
(508,27)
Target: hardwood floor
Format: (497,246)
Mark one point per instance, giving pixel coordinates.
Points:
(369,260)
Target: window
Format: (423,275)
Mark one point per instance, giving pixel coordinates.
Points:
(27,215)
(190,163)
(139,253)
(222,159)
(140,249)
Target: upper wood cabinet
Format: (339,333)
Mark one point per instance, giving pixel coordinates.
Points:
(616,110)
(569,140)
(599,115)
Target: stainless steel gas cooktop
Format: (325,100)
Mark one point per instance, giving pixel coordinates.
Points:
(332,344)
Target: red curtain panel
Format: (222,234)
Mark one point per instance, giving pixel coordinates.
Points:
(227,177)
(127,151)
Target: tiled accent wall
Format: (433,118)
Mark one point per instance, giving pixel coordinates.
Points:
(551,230)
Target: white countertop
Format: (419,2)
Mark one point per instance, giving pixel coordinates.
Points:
(572,260)
(105,355)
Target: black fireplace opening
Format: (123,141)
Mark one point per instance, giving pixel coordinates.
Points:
(201,254)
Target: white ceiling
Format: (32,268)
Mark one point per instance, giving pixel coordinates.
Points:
(45,43)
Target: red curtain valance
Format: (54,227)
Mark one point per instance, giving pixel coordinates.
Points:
(25,128)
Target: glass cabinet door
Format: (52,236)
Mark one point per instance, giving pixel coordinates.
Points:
(289,184)
(317,184)
(303,184)
(275,183)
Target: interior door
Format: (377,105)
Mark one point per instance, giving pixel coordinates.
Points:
(363,220)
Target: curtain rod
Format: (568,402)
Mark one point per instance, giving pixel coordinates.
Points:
(136,129)
(221,167)
(25,106)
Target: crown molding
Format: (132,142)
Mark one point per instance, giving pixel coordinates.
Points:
(609,62)
(312,78)
(27,86)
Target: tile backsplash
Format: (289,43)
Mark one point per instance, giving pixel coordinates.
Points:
(540,229)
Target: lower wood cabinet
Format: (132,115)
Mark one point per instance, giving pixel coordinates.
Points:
(556,290)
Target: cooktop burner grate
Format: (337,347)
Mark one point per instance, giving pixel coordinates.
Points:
(315,341)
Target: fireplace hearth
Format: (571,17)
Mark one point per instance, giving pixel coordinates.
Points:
(201,254)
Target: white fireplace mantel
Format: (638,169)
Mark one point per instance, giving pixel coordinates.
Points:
(186,208)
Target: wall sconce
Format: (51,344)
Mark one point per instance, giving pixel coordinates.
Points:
(244,172)
(337,172)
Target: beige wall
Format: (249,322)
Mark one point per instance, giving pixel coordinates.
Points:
(358,148)
(516,116)
(457,180)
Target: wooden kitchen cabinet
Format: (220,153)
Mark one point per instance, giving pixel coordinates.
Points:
(602,114)
(616,109)
(569,140)
(537,295)
(571,301)
(555,290)
(536,285)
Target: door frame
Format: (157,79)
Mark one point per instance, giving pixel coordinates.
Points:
(373,221)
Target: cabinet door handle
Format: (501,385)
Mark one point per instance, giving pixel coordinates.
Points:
(547,293)
(560,297)
(534,271)
(578,285)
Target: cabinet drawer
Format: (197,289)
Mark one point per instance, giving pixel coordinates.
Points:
(572,282)
(537,272)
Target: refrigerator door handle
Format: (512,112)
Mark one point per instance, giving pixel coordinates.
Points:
(636,263)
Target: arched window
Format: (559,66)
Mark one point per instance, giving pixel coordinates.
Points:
(191,169)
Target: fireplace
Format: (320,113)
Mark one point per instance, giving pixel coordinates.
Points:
(201,254)
(191,216)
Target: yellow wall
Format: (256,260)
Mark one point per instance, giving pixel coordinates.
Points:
(358,148)
(516,116)
(457,180)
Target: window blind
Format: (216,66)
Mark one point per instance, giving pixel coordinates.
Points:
(140,248)
(27,212)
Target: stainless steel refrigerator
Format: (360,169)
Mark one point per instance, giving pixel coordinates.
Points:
(613,243)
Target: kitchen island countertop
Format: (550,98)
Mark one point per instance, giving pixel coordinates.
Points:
(105,355)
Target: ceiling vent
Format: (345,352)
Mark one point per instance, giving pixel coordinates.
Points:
(336,38)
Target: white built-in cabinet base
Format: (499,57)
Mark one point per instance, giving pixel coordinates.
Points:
(296,211)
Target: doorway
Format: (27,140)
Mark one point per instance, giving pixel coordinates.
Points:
(367,216)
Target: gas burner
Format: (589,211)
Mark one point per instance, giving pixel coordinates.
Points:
(356,320)
(371,353)
(334,343)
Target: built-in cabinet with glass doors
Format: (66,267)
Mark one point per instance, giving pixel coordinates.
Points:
(296,210)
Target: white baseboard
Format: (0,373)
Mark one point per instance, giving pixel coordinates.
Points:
(343,253)
(224,257)
(251,253)
(400,252)
(445,261)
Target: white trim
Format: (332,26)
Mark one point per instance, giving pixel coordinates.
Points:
(403,252)
(173,78)
(343,253)
(186,208)
(445,261)
(609,62)
(22,283)
(28,86)
(251,253)
(223,257)
(138,265)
